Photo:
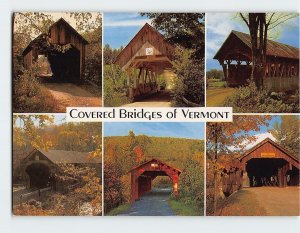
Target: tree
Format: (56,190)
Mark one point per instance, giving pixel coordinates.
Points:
(183,29)
(259,24)
(287,132)
(224,138)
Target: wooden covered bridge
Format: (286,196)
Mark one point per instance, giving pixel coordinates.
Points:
(143,175)
(40,168)
(282,63)
(266,164)
(64,48)
(145,57)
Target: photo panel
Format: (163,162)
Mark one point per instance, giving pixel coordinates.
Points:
(57,61)
(255,72)
(154,169)
(252,166)
(154,59)
(57,167)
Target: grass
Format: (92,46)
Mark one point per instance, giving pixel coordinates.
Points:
(242,203)
(182,209)
(118,210)
(217,83)
(216,96)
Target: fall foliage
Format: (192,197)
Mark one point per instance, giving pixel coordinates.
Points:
(82,183)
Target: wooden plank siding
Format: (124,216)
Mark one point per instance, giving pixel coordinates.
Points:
(282,63)
(143,175)
(60,33)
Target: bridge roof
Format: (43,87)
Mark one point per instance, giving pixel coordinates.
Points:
(69,157)
(41,40)
(274,144)
(238,44)
(155,161)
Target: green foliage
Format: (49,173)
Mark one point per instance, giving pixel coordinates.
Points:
(115,86)
(161,81)
(183,29)
(110,54)
(287,133)
(29,95)
(192,183)
(250,99)
(189,80)
(215,74)
(182,209)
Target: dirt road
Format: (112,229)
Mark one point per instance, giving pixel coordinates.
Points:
(216,96)
(154,203)
(278,201)
(162,99)
(263,201)
(71,95)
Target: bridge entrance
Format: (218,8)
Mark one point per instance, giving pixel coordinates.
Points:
(39,175)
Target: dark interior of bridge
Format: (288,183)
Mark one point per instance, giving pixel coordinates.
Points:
(145,181)
(39,175)
(264,171)
(66,65)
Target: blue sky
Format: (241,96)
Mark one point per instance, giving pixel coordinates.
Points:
(219,26)
(120,28)
(166,129)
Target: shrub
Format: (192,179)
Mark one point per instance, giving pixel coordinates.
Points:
(189,80)
(250,99)
(29,95)
(115,87)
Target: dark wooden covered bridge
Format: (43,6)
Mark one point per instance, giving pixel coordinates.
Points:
(143,175)
(266,164)
(64,48)
(40,167)
(282,69)
(145,57)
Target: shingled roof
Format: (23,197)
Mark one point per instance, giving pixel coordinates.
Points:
(274,48)
(69,157)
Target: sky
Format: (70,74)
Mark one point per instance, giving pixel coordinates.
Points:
(58,119)
(120,28)
(161,129)
(263,132)
(219,26)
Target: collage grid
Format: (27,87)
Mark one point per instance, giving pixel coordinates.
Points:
(140,140)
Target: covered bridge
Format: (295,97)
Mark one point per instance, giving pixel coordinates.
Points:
(64,48)
(266,164)
(39,168)
(143,175)
(145,57)
(282,63)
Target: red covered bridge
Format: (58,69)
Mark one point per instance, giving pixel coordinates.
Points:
(266,164)
(143,175)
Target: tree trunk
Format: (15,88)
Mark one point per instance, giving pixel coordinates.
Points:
(258,34)
(215,200)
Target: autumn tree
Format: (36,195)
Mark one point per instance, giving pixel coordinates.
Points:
(259,25)
(287,133)
(226,138)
